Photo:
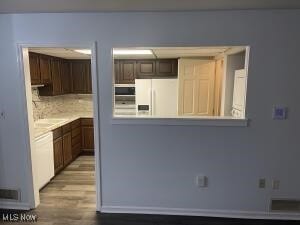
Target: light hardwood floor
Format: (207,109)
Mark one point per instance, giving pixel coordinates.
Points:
(70,198)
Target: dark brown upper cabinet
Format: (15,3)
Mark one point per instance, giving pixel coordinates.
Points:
(40,70)
(60,76)
(81,76)
(89,76)
(34,68)
(56,78)
(55,87)
(65,75)
(127,72)
(45,69)
(166,67)
(145,68)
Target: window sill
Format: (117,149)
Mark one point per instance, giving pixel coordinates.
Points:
(181,121)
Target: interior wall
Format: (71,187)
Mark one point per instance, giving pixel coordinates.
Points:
(154,167)
(13,167)
(233,62)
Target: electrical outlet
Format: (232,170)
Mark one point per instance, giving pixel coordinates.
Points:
(201,181)
(275,184)
(262,183)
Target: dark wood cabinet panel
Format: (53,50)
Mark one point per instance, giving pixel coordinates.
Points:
(70,140)
(45,69)
(34,66)
(75,132)
(67,148)
(88,74)
(60,76)
(166,67)
(66,128)
(76,138)
(58,154)
(145,68)
(81,76)
(87,122)
(54,88)
(56,81)
(127,72)
(76,150)
(87,138)
(65,74)
(87,135)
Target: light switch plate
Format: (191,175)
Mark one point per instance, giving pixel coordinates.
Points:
(262,183)
(201,181)
(279,113)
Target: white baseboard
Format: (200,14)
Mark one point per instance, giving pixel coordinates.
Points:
(14,205)
(201,212)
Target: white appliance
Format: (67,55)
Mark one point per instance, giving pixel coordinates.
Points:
(45,158)
(156,97)
(239,94)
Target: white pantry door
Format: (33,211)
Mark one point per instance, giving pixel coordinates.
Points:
(196,87)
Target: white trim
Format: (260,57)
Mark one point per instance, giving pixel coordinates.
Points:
(32,192)
(208,122)
(15,205)
(97,141)
(201,212)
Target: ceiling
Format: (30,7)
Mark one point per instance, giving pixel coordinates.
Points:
(65,53)
(29,6)
(161,52)
(180,52)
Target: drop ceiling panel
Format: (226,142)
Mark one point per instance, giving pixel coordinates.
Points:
(188,52)
(61,53)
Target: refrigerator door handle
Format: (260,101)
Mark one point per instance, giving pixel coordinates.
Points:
(150,100)
(153,102)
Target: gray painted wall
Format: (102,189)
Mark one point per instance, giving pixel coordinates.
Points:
(155,166)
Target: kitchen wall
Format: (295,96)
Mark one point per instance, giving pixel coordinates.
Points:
(44,106)
(152,168)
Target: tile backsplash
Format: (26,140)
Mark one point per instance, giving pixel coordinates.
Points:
(44,107)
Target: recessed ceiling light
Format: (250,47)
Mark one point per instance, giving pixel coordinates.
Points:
(132,52)
(84,51)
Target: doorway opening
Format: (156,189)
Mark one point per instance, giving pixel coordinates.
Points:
(62,114)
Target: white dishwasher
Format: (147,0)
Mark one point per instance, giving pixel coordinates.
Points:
(45,158)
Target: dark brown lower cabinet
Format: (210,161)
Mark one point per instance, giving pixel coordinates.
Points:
(72,139)
(67,148)
(76,138)
(87,135)
(58,154)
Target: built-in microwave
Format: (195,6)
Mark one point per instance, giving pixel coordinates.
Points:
(124,90)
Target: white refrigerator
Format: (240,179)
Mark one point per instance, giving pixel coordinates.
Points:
(239,94)
(156,97)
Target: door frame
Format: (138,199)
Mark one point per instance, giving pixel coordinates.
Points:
(22,48)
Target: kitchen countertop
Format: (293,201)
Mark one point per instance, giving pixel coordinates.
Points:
(69,117)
